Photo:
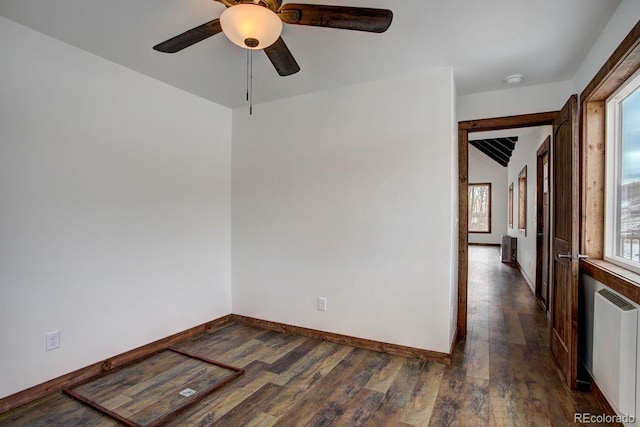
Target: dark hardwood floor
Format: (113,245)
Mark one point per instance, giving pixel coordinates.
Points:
(501,375)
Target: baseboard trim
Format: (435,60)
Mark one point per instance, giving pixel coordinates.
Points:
(83,374)
(526,278)
(395,349)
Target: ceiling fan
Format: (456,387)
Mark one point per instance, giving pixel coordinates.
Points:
(257,24)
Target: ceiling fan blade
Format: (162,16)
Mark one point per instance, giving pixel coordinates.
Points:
(281,58)
(188,38)
(347,18)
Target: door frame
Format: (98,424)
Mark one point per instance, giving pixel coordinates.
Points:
(464,128)
(544,150)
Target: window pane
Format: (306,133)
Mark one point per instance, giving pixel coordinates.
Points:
(628,239)
(522,200)
(480,208)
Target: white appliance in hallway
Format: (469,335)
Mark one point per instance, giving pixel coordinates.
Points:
(615,328)
(509,249)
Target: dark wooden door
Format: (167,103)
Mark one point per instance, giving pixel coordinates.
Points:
(564,264)
(543,225)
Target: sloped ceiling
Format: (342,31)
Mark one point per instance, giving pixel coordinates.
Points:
(498,149)
(483,41)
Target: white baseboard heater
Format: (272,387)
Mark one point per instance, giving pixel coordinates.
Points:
(615,330)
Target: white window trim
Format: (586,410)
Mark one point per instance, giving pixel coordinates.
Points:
(612,154)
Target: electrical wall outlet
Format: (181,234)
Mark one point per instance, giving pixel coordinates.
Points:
(53,340)
(322,304)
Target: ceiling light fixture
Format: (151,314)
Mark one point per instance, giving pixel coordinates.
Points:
(514,79)
(251,26)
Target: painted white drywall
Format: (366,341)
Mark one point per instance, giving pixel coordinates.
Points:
(483,169)
(454,232)
(114,213)
(623,20)
(347,194)
(525,154)
(514,101)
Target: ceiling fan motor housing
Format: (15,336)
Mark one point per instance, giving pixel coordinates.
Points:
(250,25)
(251,43)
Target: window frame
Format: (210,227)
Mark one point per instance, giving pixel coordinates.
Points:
(522,200)
(481,184)
(510,207)
(613,132)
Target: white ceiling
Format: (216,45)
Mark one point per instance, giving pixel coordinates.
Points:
(483,40)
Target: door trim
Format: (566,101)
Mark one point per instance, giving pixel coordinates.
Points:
(464,128)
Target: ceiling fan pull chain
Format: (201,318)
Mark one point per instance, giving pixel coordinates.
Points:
(251,82)
(247,75)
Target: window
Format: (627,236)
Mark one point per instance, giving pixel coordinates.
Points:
(522,200)
(510,205)
(480,208)
(622,191)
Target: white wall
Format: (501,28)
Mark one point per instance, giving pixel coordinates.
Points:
(525,154)
(115,213)
(483,169)
(514,101)
(350,197)
(623,20)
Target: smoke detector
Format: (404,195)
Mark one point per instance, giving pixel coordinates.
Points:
(514,79)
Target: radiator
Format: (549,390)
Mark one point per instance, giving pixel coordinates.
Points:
(615,330)
(509,249)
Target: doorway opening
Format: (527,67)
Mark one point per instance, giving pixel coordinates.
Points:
(464,129)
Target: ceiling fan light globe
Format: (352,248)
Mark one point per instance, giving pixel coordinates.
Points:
(250,21)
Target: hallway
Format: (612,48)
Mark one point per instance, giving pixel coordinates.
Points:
(503,373)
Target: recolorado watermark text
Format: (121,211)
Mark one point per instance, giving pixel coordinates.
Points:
(585,417)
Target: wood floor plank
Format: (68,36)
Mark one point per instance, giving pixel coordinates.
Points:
(243,354)
(514,328)
(336,404)
(382,380)
(478,359)
(306,364)
(419,409)
(285,362)
(243,413)
(449,399)
(361,408)
(262,420)
(386,415)
(475,406)
(278,350)
(401,389)
(212,345)
(305,409)
(307,382)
